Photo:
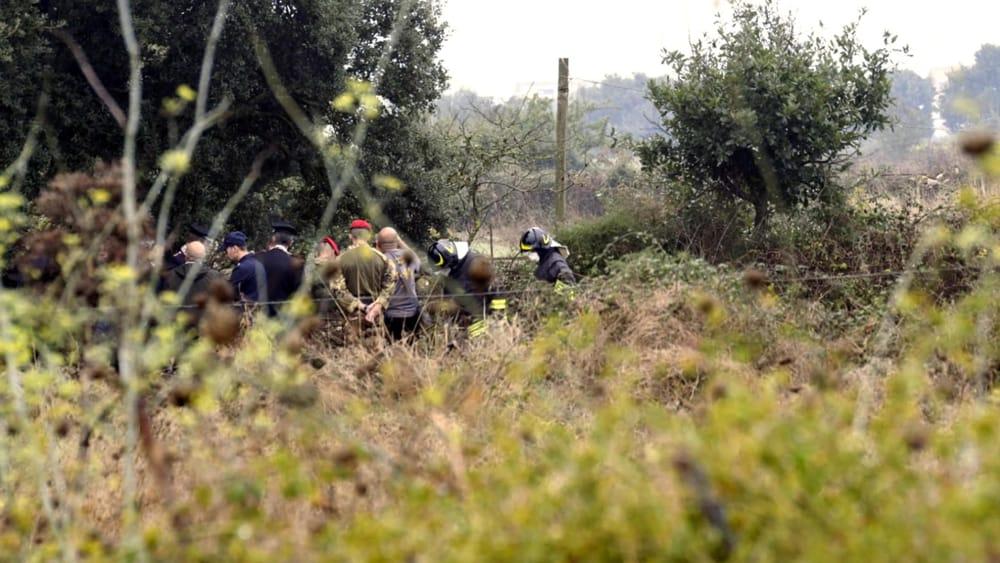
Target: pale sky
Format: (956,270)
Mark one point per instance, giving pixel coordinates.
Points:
(500,48)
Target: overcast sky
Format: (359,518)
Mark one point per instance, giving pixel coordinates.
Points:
(500,48)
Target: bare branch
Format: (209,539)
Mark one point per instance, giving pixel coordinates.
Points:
(127,353)
(19,167)
(91,75)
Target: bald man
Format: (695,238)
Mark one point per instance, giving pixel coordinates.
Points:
(172,280)
(402,316)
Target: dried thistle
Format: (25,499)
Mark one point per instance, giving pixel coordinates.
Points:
(221,324)
(755,279)
(221,291)
(976,143)
(481,273)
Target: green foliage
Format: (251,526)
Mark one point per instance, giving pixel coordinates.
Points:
(317,47)
(662,213)
(972,96)
(619,232)
(761,114)
(22,42)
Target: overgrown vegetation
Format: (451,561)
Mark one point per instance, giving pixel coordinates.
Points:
(822,390)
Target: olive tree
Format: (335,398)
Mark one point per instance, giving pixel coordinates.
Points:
(766,115)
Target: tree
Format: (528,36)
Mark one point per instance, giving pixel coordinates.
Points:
(499,158)
(316,47)
(21,43)
(972,96)
(764,115)
(494,153)
(911,113)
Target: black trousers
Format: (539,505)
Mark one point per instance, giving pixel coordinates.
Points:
(402,327)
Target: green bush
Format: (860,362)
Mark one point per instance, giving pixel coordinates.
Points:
(662,214)
(597,242)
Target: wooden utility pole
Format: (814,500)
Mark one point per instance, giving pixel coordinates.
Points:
(562,101)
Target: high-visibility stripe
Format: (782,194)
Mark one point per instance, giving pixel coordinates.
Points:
(477,328)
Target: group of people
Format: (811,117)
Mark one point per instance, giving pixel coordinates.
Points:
(373,279)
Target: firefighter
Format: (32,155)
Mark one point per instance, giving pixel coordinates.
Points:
(551,257)
(469,282)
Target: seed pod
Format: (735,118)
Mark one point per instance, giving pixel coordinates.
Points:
(294,342)
(62,427)
(481,272)
(221,291)
(976,143)
(330,270)
(221,324)
(916,435)
(309,325)
(755,279)
(409,258)
(182,393)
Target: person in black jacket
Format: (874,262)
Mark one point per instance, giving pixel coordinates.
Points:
(552,265)
(282,271)
(201,280)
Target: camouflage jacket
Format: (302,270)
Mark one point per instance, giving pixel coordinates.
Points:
(365,276)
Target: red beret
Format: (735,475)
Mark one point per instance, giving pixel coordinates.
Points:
(360,224)
(333,245)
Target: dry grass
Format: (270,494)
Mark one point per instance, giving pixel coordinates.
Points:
(383,410)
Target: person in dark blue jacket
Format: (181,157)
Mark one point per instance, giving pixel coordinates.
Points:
(248,273)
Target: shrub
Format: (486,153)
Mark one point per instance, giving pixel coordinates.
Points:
(658,213)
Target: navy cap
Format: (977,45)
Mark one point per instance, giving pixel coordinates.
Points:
(284,227)
(198,230)
(235,238)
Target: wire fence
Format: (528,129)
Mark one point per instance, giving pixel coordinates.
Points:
(550,289)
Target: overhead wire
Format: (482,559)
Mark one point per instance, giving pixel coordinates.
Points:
(608,84)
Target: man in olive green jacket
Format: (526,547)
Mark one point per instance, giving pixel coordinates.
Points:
(366,277)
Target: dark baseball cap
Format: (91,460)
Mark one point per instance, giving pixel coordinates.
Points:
(235,238)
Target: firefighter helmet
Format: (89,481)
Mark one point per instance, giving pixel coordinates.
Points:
(535,239)
(444,254)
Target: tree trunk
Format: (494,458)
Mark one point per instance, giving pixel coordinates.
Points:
(761,215)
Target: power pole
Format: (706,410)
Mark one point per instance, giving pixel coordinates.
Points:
(562,101)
